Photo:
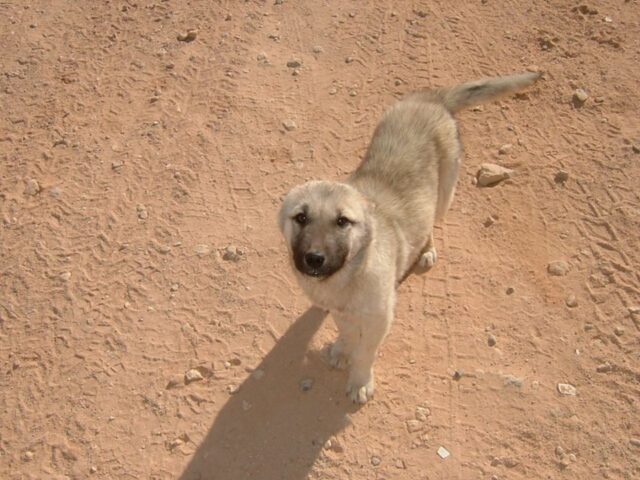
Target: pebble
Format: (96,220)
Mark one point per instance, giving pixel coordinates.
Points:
(558,268)
(192,375)
(504,149)
(348,60)
(33,187)
(635,442)
(232,253)
(246,406)
(93,469)
(560,451)
(142,212)
(567,389)
(579,97)
(333,91)
(353,93)
(572,457)
(262,58)
(306,384)
(175,382)
(257,373)
(512,381)
(561,177)
(619,331)
(571,301)
(190,36)
(422,413)
(318,49)
(443,452)
(400,465)
(28,456)
(294,63)
(491,174)
(489,221)
(375,460)
(510,290)
(491,340)
(289,125)
(604,368)
(414,426)
(202,249)
(65,276)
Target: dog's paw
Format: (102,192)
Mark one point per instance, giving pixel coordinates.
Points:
(360,392)
(428,259)
(337,358)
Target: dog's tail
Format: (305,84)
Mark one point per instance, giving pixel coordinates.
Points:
(469,94)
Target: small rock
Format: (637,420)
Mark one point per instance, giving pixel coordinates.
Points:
(619,331)
(202,249)
(560,451)
(512,381)
(333,91)
(489,221)
(33,187)
(318,49)
(567,389)
(93,469)
(414,426)
(190,36)
(348,60)
(558,268)
(509,462)
(306,384)
(289,125)
(262,58)
(400,465)
(294,63)
(28,456)
(175,382)
(142,212)
(375,460)
(635,148)
(65,276)
(232,253)
(457,375)
(504,149)
(561,177)
(491,174)
(579,97)
(443,452)
(491,340)
(353,93)
(233,389)
(604,368)
(607,19)
(257,373)
(572,457)
(246,406)
(422,413)
(510,290)
(174,287)
(278,2)
(571,301)
(586,10)
(192,375)
(635,442)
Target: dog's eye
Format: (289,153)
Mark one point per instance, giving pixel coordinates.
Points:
(343,222)
(301,219)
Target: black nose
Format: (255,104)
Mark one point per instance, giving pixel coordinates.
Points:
(314,260)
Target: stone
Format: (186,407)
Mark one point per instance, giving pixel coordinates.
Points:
(604,368)
(491,174)
(491,340)
(142,212)
(571,301)
(28,456)
(33,187)
(561,177)
(510,290)
(318,49)
(289,125)
(619,331)
(262,58)
(558,268)
(232,253)
(193,375)
(93,469)
(567,389)
(190,36)
(176,381)
(422,413)
(579,97)
(306,384)
(294,63)
(512,381)
(375,460)
(504,149)
(443,452)
(65,276)
(635,442)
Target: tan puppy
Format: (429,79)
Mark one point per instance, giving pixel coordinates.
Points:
(352,243)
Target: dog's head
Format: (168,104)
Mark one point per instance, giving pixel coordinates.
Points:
(325,225)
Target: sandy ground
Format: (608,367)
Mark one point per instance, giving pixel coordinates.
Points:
(140,177)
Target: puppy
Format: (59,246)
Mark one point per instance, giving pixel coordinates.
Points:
(351,243)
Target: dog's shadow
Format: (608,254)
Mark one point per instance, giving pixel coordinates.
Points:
(273,428)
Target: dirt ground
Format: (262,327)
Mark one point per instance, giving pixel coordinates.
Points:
(140,176)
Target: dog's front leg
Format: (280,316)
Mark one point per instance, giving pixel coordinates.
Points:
(342,348)
(372,331)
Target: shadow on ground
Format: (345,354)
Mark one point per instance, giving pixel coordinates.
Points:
(272,428)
